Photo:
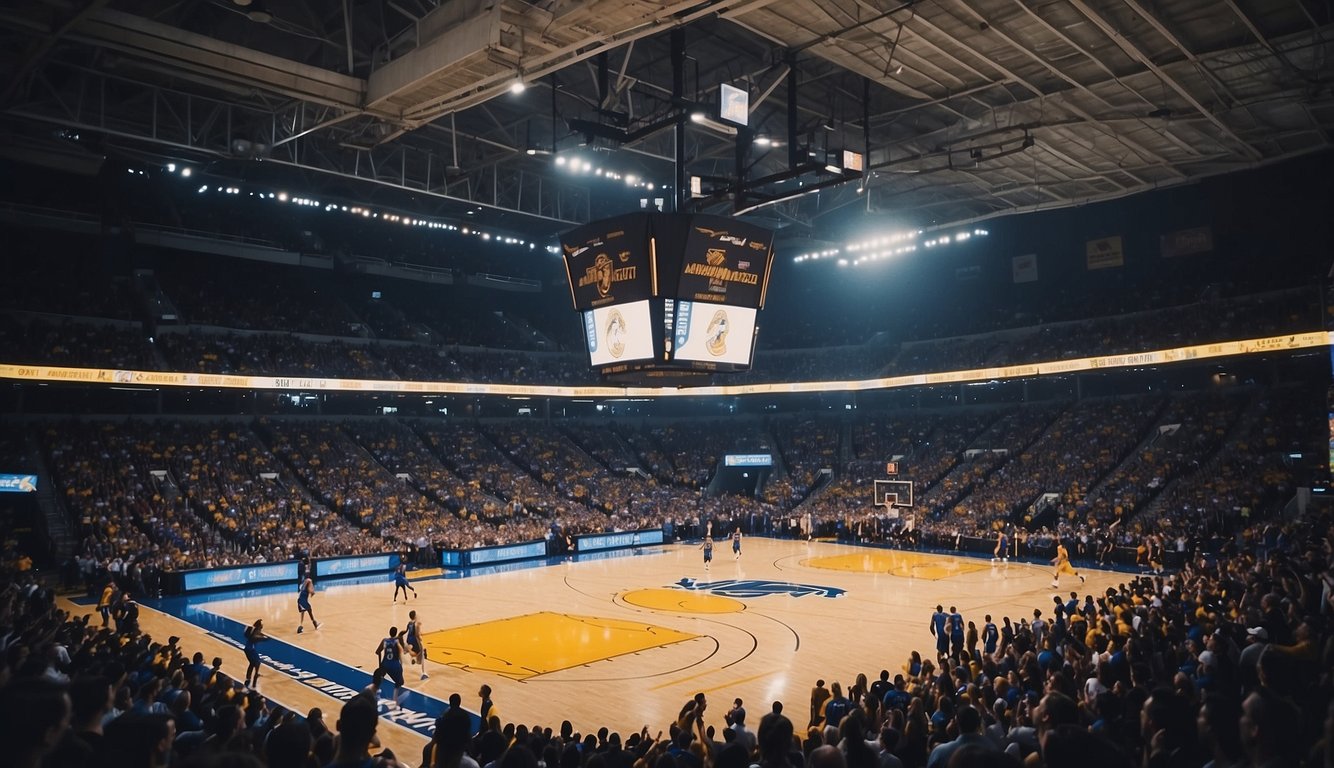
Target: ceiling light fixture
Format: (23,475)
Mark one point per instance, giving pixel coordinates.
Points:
(256,12)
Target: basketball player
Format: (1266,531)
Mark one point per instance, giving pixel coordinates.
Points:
(939,627)
(303,604)
(390,654)
(413,633)
(401,582)
(1002,550)
(253,634)
(707,546)
(736,543)
(1062,563)
(104,603)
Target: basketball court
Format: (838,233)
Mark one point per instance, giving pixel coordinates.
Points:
(617,641)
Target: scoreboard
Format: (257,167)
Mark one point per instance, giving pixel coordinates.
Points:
(668,292)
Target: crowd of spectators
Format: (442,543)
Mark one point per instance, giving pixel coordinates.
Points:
(1004,438)
(1251,472)
(272,354)
(1191,427)
(185,494)
(1198,323)
(806,445)
(77,344)
(256,296)
(1082,445)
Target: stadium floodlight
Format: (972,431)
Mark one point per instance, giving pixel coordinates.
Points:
(705,120)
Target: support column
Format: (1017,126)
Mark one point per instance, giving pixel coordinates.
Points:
(679,186)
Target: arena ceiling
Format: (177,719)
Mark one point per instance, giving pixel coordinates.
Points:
(964,109)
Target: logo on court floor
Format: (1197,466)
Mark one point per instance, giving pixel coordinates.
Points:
(757,588)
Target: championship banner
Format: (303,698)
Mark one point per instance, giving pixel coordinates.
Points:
(725,261)
(607,262)
(1186,242)
(1024,269)
(1104,253)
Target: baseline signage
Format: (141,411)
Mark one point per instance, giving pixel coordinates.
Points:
(596,541)
(748,460)
(500,554)
(245,576)
(18,483)
(330,567)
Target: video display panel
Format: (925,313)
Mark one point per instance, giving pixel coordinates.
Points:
(619,334)
(713,333)
(725,261)
(607,262)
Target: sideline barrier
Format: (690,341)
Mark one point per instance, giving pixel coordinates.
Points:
(245,576)
(333,567)
(238,576)
(593,542)
(466,558)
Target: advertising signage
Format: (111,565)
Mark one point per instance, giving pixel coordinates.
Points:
(18,483)
(244,576)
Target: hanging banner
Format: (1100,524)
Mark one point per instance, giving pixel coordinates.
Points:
(1024,268)
(1104,253)
(1186,242)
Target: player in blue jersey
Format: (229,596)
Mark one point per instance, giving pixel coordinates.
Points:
(253,634)
(413,635)
(303,604)
(401,582)
(1002,550)
(736,543)
(989,636)
(390,651)
(939,623)
(707,546)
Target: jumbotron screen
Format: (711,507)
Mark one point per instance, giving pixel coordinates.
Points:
(666,294)
(621,333)
(713,333)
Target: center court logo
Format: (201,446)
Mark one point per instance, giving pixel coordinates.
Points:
(757,588)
